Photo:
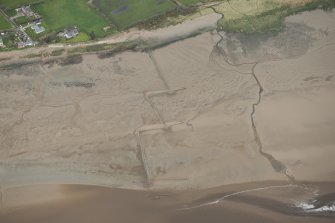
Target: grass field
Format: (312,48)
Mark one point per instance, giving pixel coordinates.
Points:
(59,14)
(127,13)
(4,24)
(12,4)
(22,20)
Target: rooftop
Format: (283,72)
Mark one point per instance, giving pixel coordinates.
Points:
(70,33)
(25,10)
(38,28)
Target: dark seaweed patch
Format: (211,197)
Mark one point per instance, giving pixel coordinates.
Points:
(74,59)
(79,84)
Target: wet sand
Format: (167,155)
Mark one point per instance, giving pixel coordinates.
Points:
(74,203)
(231,109)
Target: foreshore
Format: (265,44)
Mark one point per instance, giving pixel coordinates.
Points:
(75,122)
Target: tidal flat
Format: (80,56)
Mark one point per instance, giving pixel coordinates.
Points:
(177,129)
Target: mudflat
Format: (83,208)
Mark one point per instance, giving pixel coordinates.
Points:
(215,109)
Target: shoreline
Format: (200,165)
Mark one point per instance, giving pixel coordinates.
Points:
(273,199)
(160,36)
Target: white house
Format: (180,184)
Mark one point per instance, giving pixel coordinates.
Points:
(70,33)
(38,28)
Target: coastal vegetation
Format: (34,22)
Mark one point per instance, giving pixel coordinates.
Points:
(56,53)
(254,16)
(189,2)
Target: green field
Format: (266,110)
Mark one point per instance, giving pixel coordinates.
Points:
(4,24)
(59,14)
(82,37)
(22,20)
(127,13)
(12,4)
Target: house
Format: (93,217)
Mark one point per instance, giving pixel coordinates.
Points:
(21,44)
(25,10)
(70,33)
(37,27)
(24,40)
(28,42)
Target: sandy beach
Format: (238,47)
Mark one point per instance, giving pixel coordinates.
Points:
(199,118)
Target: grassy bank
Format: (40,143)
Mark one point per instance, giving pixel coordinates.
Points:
(116,47)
